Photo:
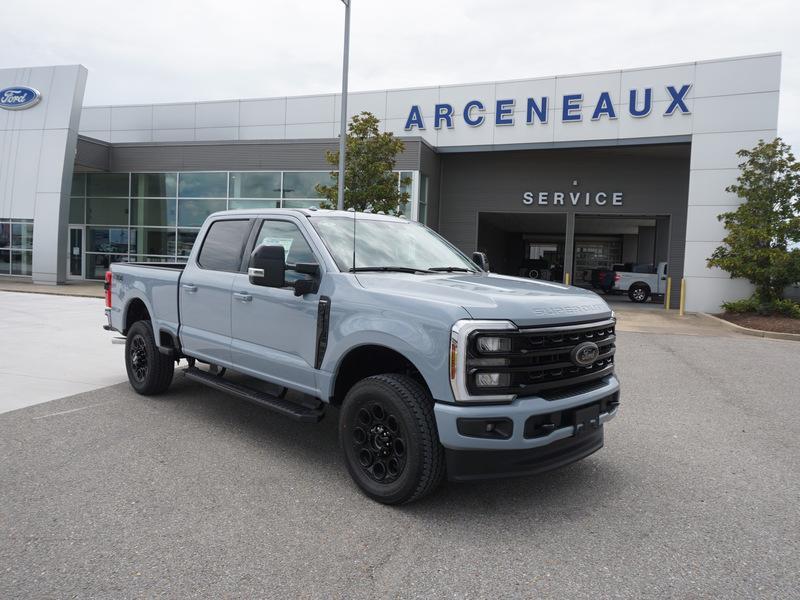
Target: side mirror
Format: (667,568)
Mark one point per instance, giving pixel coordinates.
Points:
(267,266)
(480,259)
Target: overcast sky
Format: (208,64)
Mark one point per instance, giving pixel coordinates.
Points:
(178,50)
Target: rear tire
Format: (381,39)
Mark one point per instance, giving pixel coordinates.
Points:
(149,371)
(388,434)
(639,293)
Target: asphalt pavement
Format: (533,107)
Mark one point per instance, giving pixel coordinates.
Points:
(107,494)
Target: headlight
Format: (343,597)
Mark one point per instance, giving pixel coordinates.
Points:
(488,344)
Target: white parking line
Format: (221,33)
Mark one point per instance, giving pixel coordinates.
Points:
(66,412)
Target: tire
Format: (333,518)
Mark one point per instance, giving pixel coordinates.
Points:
(149,371)
(639,292)
(388,435)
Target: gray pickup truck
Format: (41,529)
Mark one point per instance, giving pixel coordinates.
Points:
(438,368)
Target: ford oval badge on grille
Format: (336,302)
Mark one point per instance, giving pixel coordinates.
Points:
(18,97)
(584,354)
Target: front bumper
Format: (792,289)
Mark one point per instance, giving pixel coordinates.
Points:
(506,451)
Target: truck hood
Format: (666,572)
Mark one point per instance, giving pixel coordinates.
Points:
(526,302)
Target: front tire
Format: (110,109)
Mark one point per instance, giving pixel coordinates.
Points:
(639,293)
(388,434)
(149,371)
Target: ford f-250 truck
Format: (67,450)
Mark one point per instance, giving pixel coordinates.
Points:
(438,367)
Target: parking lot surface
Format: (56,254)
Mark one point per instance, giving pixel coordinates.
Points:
(194,494)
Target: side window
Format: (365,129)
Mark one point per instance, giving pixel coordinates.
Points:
(222,248)
(295,246)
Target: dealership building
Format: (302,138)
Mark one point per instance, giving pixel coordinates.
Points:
(552,177)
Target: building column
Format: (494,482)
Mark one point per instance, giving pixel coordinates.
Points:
(569,248)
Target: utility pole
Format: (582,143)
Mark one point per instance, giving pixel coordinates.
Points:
(343,118)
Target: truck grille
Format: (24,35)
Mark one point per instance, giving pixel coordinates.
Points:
(542,359)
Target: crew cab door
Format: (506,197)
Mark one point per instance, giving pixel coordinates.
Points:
(274,332)
(205,290)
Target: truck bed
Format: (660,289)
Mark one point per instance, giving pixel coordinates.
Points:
(155,284)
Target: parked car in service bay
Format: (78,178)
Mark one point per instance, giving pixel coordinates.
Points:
(439,368)
(642,282)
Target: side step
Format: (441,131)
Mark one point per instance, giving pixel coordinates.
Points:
(290,409)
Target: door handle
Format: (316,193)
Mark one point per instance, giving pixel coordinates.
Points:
(189,288)
(242,296)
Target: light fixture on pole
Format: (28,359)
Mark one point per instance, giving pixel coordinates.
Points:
(343,117)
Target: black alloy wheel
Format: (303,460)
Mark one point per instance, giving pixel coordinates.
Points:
(138,358)
(149,371)
(379,440)
(388,434)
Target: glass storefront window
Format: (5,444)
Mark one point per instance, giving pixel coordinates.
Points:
(203,185)
(301,203)
(192,213)
(146,240)
(5,262)
(107,211)
(186,239)
(255,185)
(158,212)
(5,235)
(301,184)
(78,184)
(76,211)
(100,185)
(22,235)
(97,264)
(102,239)
(232,204)
(21,262)
(154,185)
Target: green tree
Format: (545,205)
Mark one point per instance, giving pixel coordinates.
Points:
(763,229)
(370,182)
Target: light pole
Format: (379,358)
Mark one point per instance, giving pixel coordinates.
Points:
(343,117)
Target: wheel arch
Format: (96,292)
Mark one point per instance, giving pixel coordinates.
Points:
(365,360)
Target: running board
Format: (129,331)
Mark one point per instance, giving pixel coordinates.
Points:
(290,409)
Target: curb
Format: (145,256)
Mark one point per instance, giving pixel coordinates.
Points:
(48,293)
(775,335)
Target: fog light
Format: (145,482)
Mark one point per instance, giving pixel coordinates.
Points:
(494,344)
(485,380)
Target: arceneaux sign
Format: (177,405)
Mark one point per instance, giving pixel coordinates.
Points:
(639,105)
(572,198)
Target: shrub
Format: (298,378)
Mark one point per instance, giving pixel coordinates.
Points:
(783,307)
(745,305)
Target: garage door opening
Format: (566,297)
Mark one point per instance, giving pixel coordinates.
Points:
(548,246)
(524,245)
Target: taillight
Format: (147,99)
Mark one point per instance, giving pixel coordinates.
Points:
(107,288)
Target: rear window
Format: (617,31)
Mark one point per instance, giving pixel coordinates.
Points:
(223,246)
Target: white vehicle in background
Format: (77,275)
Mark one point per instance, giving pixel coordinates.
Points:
(641,282)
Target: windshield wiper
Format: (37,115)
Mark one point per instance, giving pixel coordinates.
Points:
(392,269)
(452,269)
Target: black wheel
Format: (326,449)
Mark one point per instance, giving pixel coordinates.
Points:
(149,371)
(388,434)
(639,292)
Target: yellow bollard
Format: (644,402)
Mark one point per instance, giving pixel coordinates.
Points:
(683,297)
(668,294)
(566,278)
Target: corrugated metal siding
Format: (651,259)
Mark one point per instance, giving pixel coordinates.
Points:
(654,180)
(288,155)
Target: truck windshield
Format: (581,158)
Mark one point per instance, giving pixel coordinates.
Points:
(388,246)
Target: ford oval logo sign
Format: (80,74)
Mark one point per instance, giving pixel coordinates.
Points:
(584,354)
(19,97)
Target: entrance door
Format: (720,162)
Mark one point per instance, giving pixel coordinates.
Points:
(75,253)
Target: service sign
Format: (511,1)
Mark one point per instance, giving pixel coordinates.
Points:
(19,97)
